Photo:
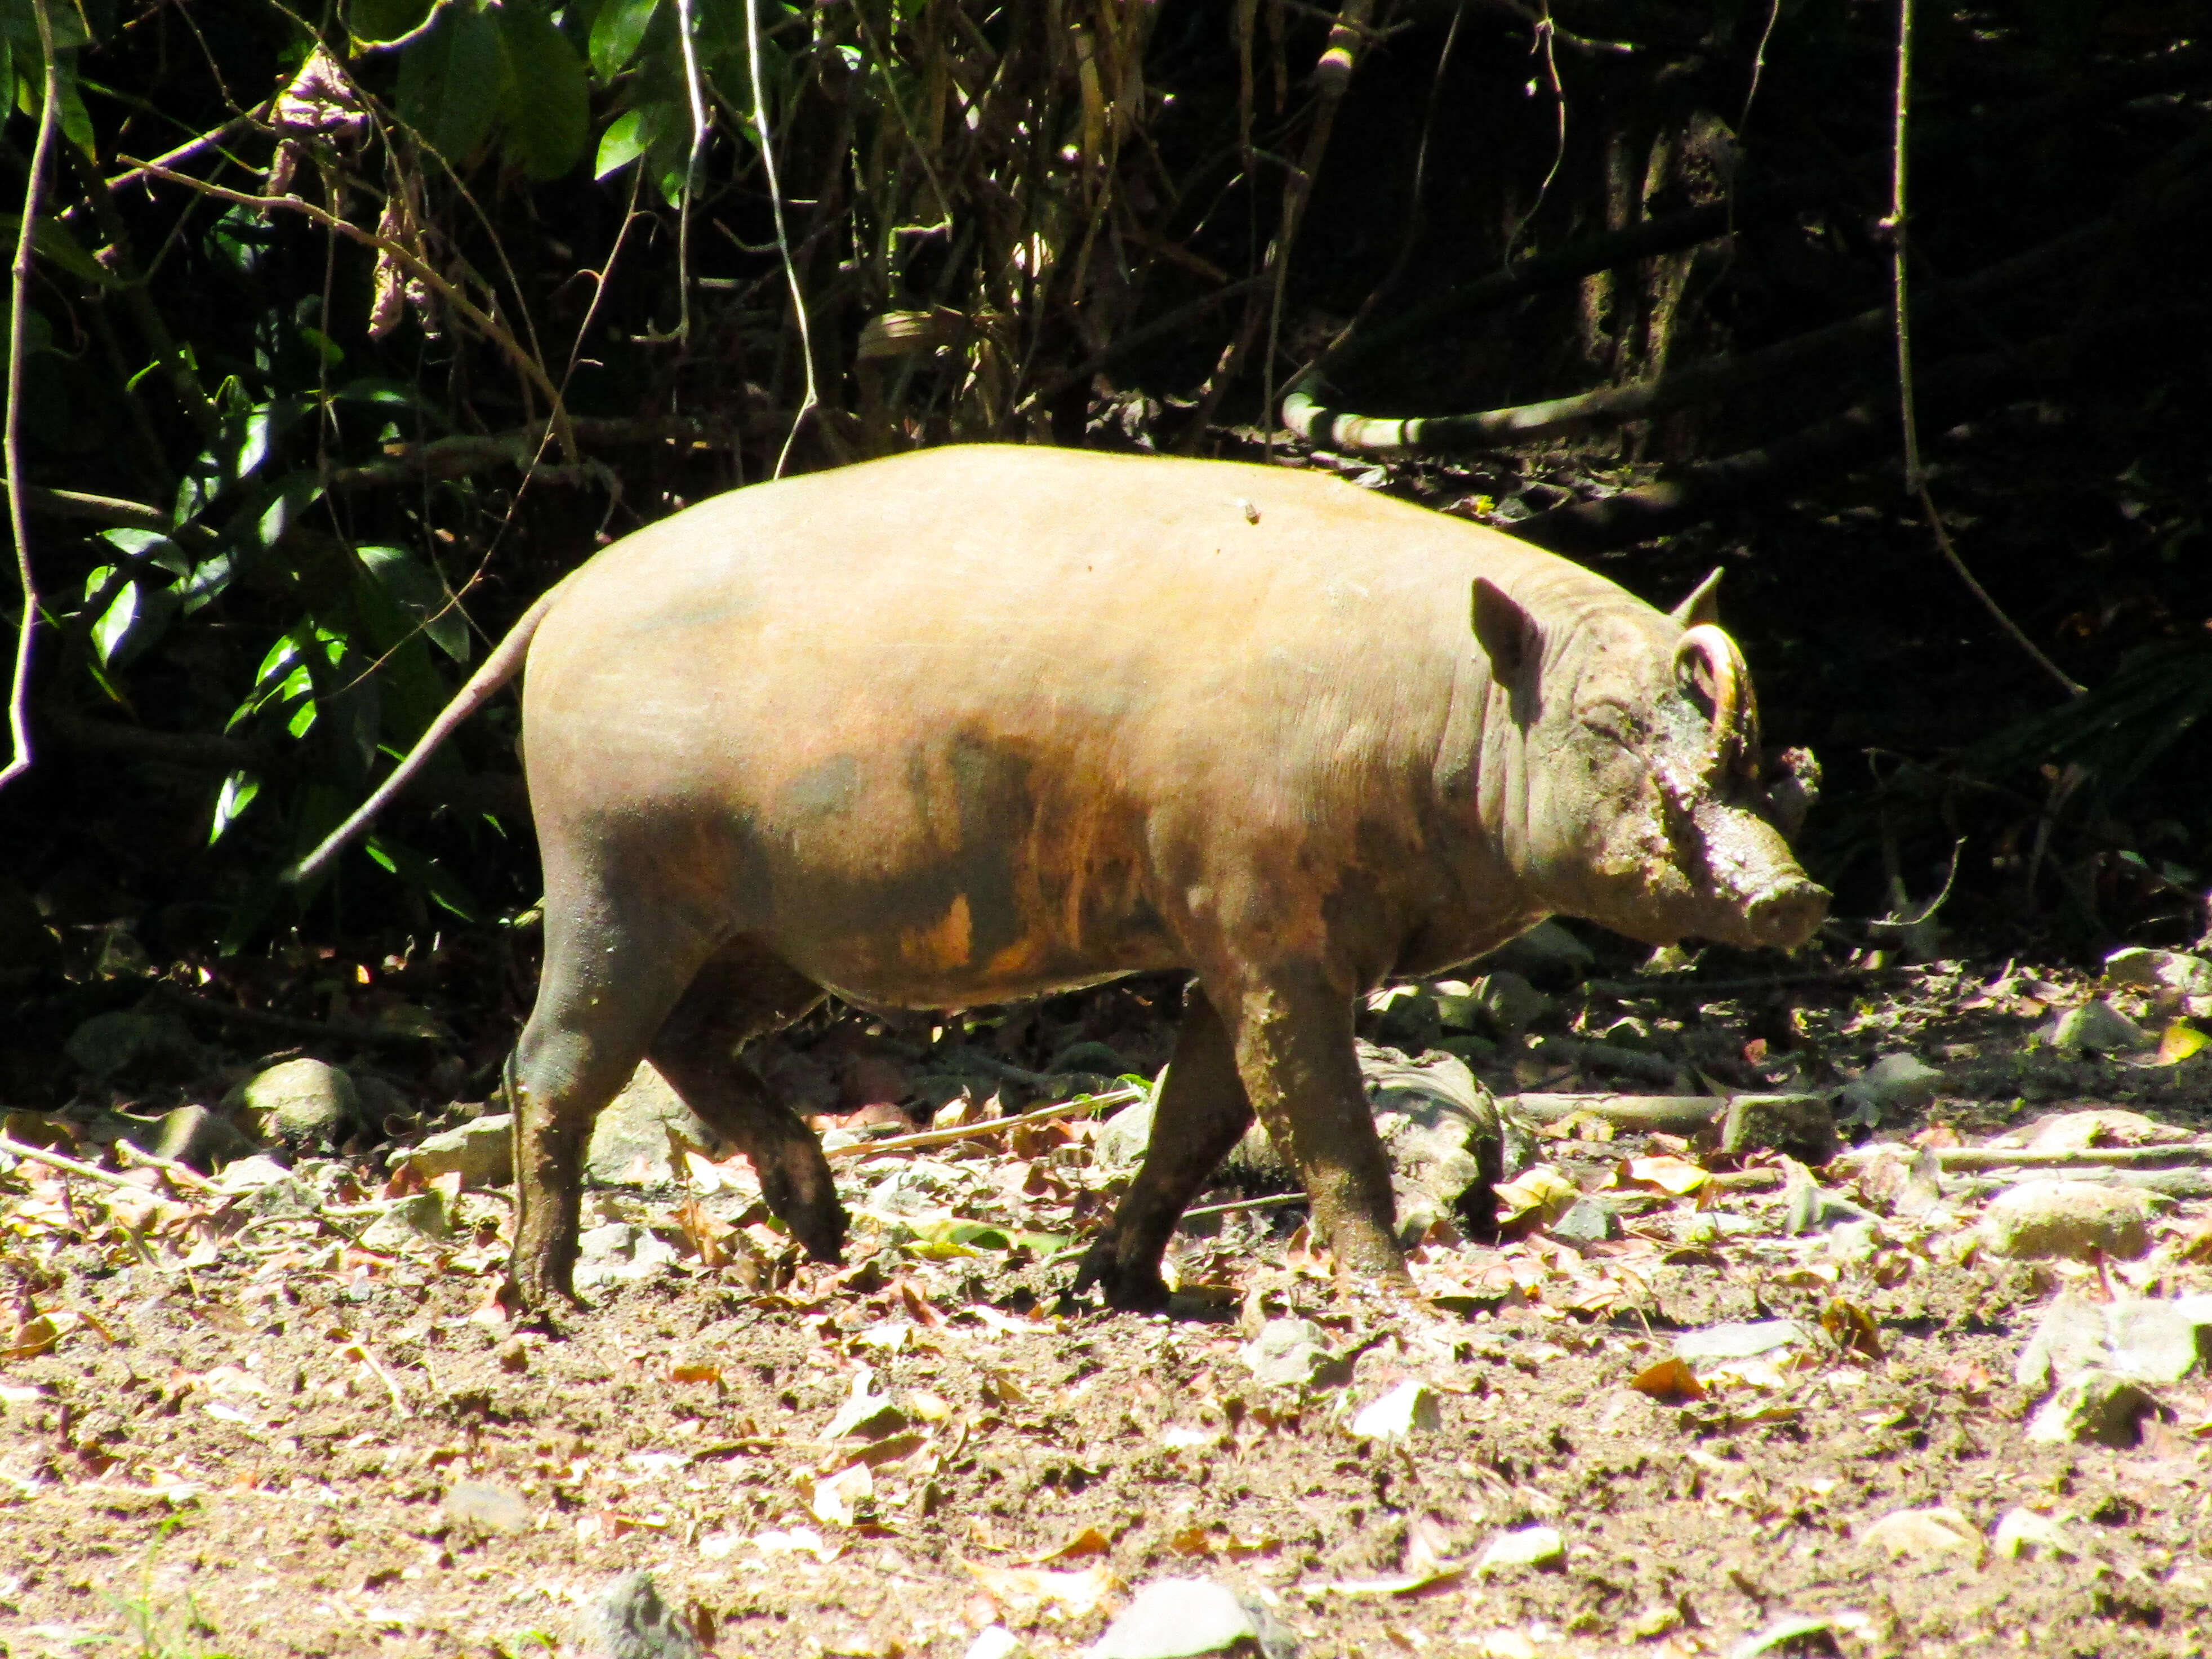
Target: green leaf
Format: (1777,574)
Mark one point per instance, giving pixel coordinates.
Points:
(237,793)
(53,241)
(420,591)
(425,873)
(547,104)
(328,350)
(617,34)
(384,20)
(623,142)
(449,82)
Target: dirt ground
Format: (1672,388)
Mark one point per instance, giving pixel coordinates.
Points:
(235,1423)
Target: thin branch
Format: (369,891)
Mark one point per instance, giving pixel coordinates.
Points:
(492,329)
(813,399)
(685,22)
(182,1174)
(19,692)
(988,1127)
(1916,476)
(191,147)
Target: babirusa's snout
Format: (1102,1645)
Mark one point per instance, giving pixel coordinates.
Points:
(1788,913)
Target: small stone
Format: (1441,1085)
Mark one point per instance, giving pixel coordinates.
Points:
(1922,1534)
(1288,1354)
(418,1220)
(864,1412)
(1801,1126)
(620,1250)
(1589,1221)
(135,1046)
(640,1139)
(994,1642)
(483,1151)
(198,1138)
(2039,1219)
(2069,1338)
(302,1103)
(1814,1209)
(1892,1086)
(1174,1617)
(1397,1414)
(1122,1138)
(2095,1405)
(2158,1338)
(1743,1340)
(629,1620)
(1528,1546)
(2096,1028)
(2022,1534)
(1548,955)
(1854,1240)
(495,1509)
(2178,975)
(1406,1018)
(1509,1003)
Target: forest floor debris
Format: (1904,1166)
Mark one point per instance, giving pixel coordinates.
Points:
(1685,1401)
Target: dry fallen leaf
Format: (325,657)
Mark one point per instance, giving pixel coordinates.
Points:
(1676,1177)
(1669,1380)
(1852,1327)
(1021,1591)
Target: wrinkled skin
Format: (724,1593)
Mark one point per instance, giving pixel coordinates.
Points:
(976,724)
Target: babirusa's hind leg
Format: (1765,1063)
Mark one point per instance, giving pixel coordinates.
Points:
(742,993)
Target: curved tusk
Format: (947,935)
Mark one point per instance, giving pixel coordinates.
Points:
(1735,707)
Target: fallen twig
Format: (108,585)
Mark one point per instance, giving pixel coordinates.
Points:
(170,1167)
(1608,1057)
(2174,1154)
(1674,1114)
(1270,1201)
(988,1126)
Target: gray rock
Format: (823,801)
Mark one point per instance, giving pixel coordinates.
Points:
(1177,1618)
(1801,1126)
(2039,1219)
(1707,1226)
(1509,1003)
(1407,1016)
(129,1045)
(418,1220)
(621,1251)
(1548,955)
(2095,1028)
(2093,1406)
(1528,1546)
(629,1620)
(2172,972)
(483,1150)
(1815,1209)
(1589,1221)
(640,1139)
(301,1103)
(495,1509)
(2144,1338)
(1892,1086)
(194,1136)
(1121,1142)
(1744,1340)
(1288,1354)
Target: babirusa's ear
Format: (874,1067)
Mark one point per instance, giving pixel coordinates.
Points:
(1703,606)
(1505,631)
